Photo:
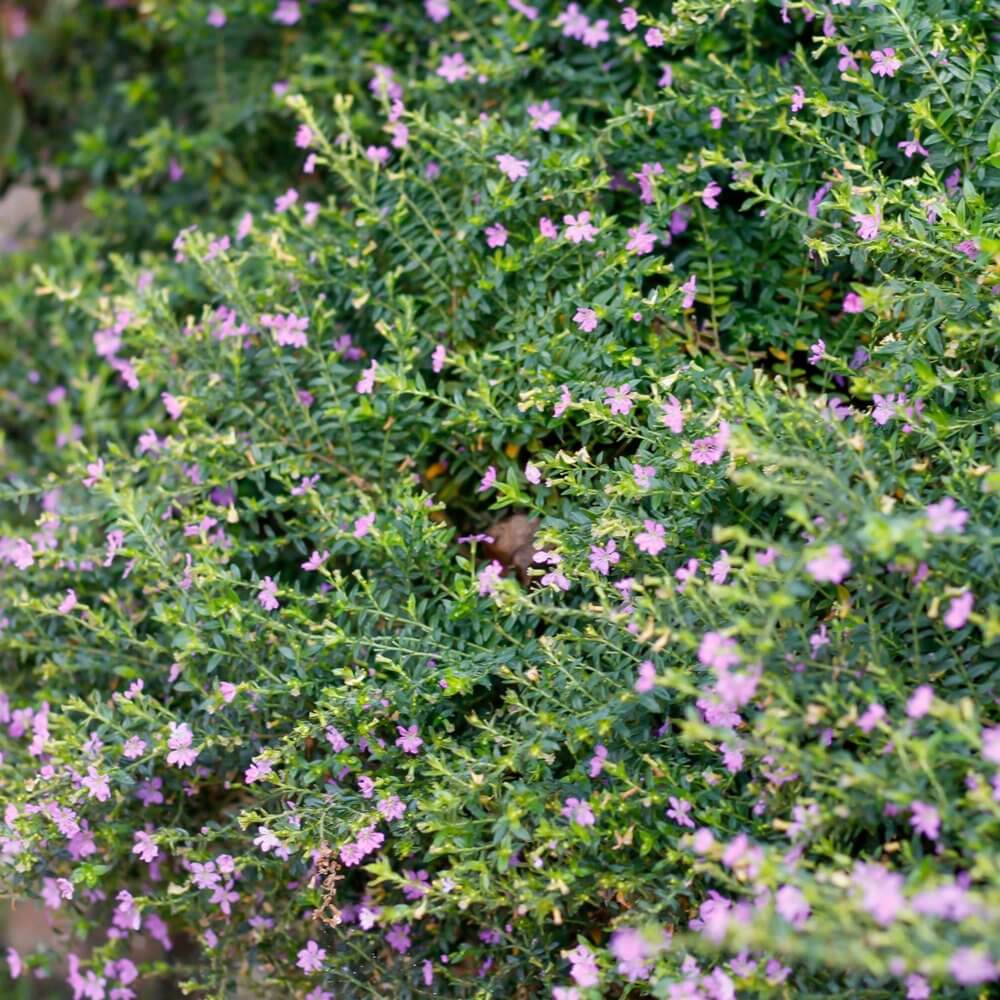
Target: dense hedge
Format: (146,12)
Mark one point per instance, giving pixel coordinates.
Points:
(500,501)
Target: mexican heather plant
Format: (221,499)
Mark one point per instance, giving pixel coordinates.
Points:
(500,502)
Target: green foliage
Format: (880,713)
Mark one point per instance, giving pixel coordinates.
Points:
(831,389)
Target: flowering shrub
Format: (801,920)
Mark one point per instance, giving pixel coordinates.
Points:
(531,532)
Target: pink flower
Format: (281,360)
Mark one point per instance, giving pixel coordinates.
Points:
(646,679)
(852,303)
(437,10)
(303,137)
(884,62)
(619,400)
(925,819)
(602,558)
(871,717)
(959,610)
(408,741)
(710,195)
(363,525)
(512,167)
(547,228)
(791,905)
(565,399)
(488,480)
(718,651)
(438,358)
(868,225)
(707,450)
(316,560)
(798,100)
(991,744)
(216,18)
(287,12)
(268,594)
(244,227)
(579,228)
(454,67)
(489,579)
(144,847)
(944,516)
(830,566)
(586,319)
(629,18)
(654,38)
(920,702)
(643,476)
(543,116)
(641,240)
(971,966)
(532,473)
(652,540)
(578,811)
(678,812)
(311,957)
(715,117)
(672,415)
(496,236)
(68,603)
(285,201)
(366,384)
(182,754)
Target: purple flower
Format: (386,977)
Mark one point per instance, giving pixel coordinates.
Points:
(678,812)
(715,117)
(216,18)
(547,228)
(868,225)
(398,938)
(798,100)
(144,847)
(408,740)
(629,18)
(911,147)
(791,905)
(488,480)
(654,38)
(586,319)
(944,516)
(578,811)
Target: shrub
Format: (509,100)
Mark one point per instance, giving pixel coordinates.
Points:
(545,548)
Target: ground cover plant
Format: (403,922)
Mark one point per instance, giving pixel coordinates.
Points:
(499,500)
